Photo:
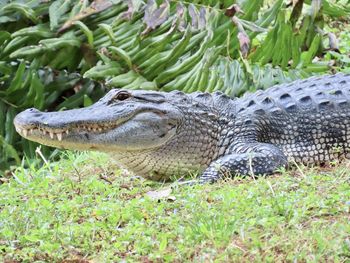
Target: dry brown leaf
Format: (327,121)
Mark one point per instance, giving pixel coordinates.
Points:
(95,7)
(154,16)
(232,10)
(159,194)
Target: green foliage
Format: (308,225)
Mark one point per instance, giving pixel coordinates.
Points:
(83,209)
(63,54)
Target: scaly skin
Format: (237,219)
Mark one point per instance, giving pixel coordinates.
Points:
(165,135)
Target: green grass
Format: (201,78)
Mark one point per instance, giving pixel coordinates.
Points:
(84,209)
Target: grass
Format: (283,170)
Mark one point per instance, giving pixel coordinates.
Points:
(84,209)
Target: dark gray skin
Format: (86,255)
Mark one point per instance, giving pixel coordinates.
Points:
(165,135)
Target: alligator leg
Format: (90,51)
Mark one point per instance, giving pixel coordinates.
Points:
(254,159)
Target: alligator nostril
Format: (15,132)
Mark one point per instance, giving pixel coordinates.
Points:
(34,112)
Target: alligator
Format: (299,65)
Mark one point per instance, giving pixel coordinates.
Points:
(162,136)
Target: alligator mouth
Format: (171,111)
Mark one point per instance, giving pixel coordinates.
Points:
(134,130)
(32,128)
(61,133)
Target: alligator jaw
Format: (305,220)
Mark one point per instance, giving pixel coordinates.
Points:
(42,131)
(96,128)
(59,134)
(69,136)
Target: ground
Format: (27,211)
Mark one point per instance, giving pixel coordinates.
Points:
(84,209)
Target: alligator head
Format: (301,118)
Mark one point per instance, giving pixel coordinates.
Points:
(150,133)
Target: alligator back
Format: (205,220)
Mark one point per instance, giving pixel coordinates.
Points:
(308,119)
(314,94)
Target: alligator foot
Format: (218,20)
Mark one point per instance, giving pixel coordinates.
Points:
(257,159)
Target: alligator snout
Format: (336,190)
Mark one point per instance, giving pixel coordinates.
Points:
(33,118)
(28,117)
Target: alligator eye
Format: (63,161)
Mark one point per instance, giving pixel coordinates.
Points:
(122,95)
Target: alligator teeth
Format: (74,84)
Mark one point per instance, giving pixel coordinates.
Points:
(53,134)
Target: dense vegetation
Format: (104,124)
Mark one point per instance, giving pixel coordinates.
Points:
(62,54)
